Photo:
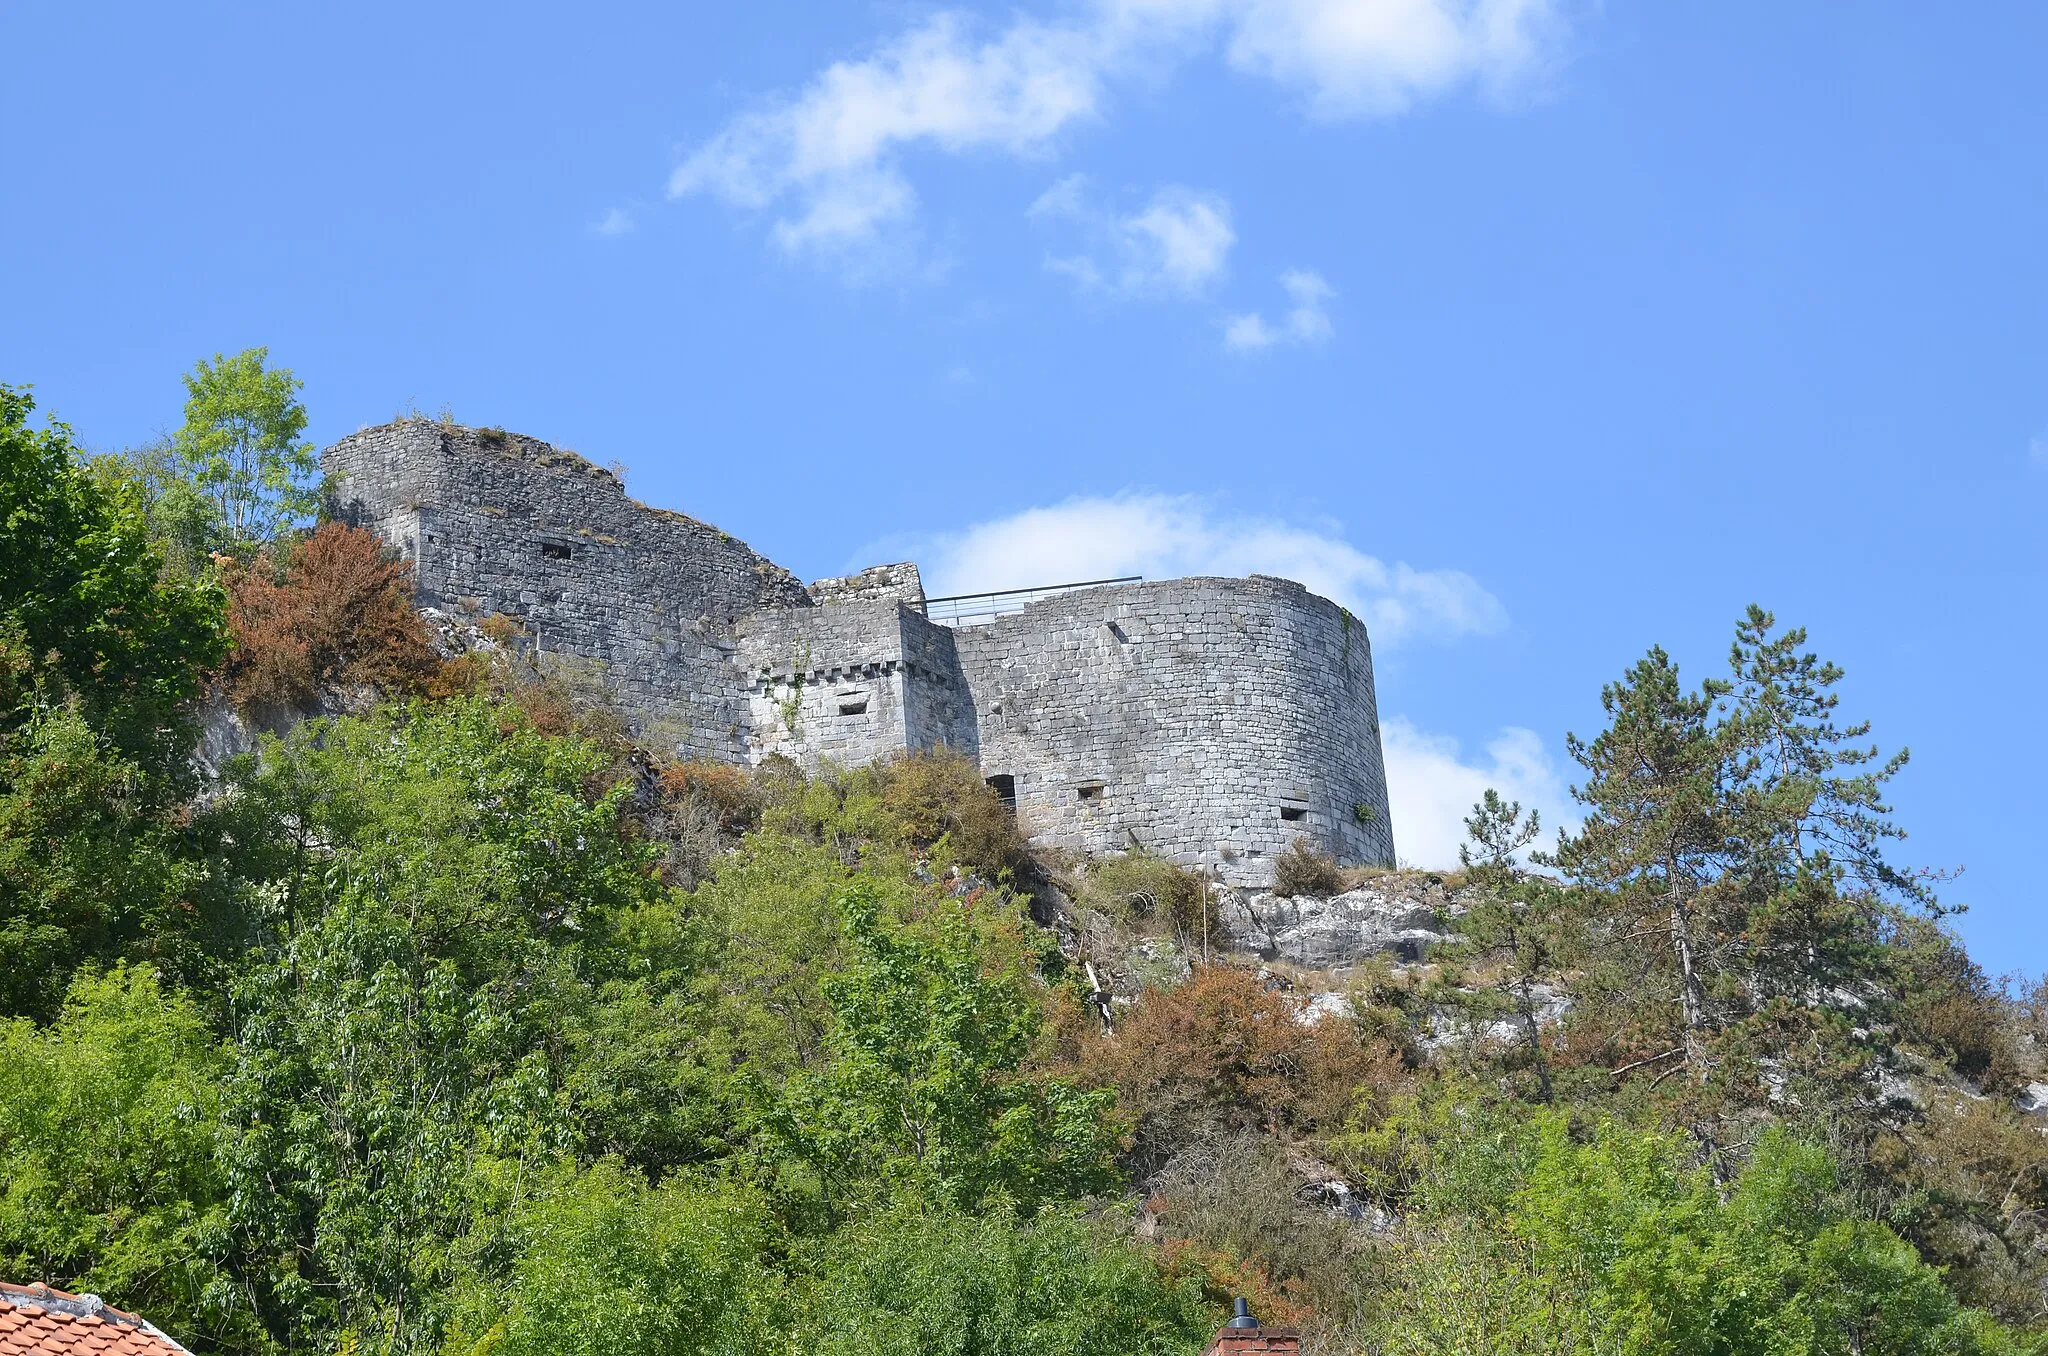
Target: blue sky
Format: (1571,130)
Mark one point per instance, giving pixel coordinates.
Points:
(1535,331)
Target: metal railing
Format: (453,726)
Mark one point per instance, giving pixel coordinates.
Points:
(969,609)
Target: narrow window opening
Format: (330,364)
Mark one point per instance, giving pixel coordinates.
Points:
(1005,787)
(1294,814)
(853,706)
(554,550)
(1089,791)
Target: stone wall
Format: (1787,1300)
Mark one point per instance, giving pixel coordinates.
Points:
(1213,721)
(643,600)
(851,682)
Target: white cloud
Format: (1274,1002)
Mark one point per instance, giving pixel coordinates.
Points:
(832,148)
(1165,536)
(616,222)
(1432,789)
(1175,245)
(1307,320)
(829,158)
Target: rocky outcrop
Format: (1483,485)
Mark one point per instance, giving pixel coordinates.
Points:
(1398,916)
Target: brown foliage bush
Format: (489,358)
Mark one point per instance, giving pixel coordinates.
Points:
(1225,1052)
(331,609)
(939,793)
(722,788)
(1301,870)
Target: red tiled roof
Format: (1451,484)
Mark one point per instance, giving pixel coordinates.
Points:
(36,1319)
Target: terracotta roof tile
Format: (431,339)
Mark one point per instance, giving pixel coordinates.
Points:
(38,1321)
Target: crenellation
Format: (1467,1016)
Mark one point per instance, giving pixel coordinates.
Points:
(1210,720)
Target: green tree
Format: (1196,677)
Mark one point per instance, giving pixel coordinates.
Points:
(1659,831)
(1524,1236)
(242,445)
(183,522)
(921,1088)
(86,615)
(109,1176)
(937,1282)
(1515,918)
(438,893)
(91,867)
(596,1262)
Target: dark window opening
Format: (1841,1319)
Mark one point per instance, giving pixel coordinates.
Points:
(1005,787)
(554,550)
(1294,814)
(1091,791)
(853,706)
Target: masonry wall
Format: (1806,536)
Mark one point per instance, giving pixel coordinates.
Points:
(1210,720)
(643,599)
(850,683)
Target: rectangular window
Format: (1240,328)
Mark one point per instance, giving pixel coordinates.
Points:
(1294,814)
(853,706)
(1089,791)
(1005,787)
(554,550)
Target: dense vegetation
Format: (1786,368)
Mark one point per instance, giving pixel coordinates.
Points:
(451,1021)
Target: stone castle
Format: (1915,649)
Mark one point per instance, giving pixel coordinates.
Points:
(1212,721)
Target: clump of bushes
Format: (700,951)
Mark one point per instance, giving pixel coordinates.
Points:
(706,807)
(939,794)
(1226,1051)
(1147,893)
(931,804)
(331,610)
(1301,870)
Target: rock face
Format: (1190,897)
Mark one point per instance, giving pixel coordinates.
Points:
(1398,919)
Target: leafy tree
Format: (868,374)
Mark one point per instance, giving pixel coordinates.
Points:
(921,1089)
(86,615)
(439,892)
(242,445)
(596,1262)
(934,1282)
(183,522)
(90,866)
(1223,1051)
(1541,1240)
(109,1182)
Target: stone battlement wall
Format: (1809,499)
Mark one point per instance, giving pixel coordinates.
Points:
(1213,721)
(497,523)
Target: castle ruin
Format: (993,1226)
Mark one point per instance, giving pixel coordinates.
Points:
(1212,721)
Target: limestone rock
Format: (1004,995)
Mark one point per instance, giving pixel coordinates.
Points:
(1328,934)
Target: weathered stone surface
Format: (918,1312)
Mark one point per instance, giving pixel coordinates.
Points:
(1329,934)
(1212,721)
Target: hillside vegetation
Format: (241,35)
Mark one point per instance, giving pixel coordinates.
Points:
(448,1020)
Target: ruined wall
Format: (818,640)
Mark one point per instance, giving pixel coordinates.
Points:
(643,599)
(1210,720)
